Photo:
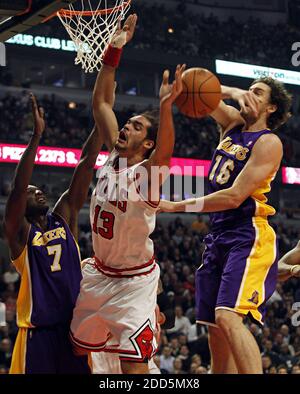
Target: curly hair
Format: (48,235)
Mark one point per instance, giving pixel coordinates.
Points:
(280,97)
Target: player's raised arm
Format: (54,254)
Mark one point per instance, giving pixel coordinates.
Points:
(73,199)
(289,264)
(263,163)
(15,224)
(226,115)
(104,90)
(165,139)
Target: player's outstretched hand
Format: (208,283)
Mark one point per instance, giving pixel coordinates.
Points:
(246,99)
(125,34)
(169,92)
(38,116)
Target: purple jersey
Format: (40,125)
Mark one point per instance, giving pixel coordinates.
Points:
(50,275)
(228,161)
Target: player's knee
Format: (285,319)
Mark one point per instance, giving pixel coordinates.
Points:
(227,320)
(134,368)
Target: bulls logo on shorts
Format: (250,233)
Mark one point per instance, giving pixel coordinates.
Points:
(144,343)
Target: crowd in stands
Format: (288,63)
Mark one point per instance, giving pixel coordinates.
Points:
(69,127)
(184,348)
(197,35)
(182,32)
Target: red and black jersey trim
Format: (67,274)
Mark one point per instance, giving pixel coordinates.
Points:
(86,345)
(111,272)
(143,341)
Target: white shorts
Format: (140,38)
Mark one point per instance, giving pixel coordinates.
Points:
(116,315)
(109,363)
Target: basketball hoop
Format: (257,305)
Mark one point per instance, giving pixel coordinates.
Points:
(92,29)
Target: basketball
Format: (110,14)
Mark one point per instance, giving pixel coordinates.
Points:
(201,93)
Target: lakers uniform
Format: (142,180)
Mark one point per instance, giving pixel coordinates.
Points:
(115,311)
(50,279)
(239,267)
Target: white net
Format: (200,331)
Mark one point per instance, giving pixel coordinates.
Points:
(92,28)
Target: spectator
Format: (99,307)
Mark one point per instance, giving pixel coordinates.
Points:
(295,369)
(174,345)
(5,352)
(282,369)
(182,323)
(286,355)
(266,363)
(272,370)
(275,358)
(285,331)
(201,370)
(177,366)
(184,355)
(167,360)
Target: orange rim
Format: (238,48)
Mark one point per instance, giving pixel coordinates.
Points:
(70,14)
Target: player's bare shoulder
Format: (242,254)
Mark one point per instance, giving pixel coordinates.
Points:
(271,144)
(268,150)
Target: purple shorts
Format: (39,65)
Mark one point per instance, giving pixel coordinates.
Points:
(238,272)
(46,350)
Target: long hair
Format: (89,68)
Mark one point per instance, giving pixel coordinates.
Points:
(281,98)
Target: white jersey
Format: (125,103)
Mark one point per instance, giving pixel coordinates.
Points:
(121,226)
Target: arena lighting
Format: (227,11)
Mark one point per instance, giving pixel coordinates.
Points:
(68,157)
(252,71)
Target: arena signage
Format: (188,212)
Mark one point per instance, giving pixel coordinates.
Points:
(251,71)
(67,157)
(42,42)
(291,175)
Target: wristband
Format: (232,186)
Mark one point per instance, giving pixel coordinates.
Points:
(112,56)
(292,268)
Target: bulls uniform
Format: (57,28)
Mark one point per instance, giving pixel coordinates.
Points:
(109,363)
(239,265)
(115,311)
(50,273)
